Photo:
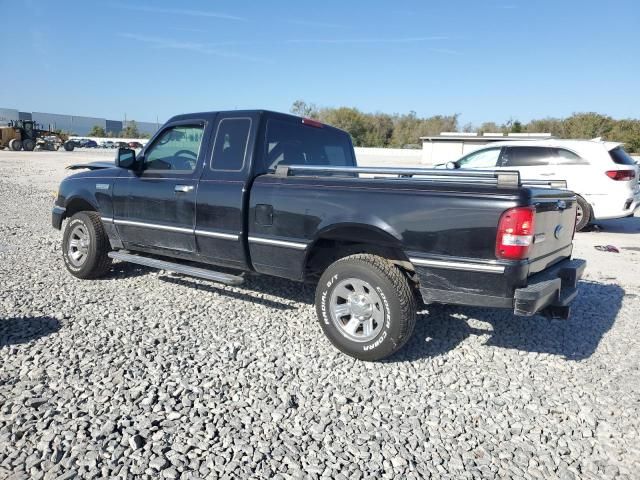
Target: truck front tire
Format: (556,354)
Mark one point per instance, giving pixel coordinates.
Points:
(366,306)
(85,246)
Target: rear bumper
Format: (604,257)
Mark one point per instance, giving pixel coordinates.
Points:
(57,215)
(550,292)
(620,205)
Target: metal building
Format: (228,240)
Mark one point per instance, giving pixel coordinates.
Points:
(75,124)
(68,123)
(8,115)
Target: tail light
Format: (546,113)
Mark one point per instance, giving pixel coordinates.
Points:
(621,174)
(515,233)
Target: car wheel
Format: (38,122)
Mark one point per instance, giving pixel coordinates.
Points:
(85,246)
(366,306)
(69,146)
(15,145)
(583,214)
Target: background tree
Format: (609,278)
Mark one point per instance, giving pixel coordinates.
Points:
(554,126)
(404,130)
(131,130)
(349,119)
(378,130)
(516,127)
(408,128)
(303,109)
(628,132)
(588,125)
(97,131)
(489,127)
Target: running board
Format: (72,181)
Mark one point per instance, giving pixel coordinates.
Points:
(178,268)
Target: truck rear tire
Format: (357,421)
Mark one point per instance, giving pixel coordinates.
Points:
(583,214)
(28,145)
(85,246)
(69,146)
(366,306)
(15,145)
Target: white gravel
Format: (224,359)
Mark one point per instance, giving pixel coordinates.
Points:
(150,375)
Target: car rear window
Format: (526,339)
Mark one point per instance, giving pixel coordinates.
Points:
(290,143)
(619,156)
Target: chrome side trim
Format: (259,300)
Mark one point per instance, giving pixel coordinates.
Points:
(225,236)
(278,243)
(106,219)
(154,226)
(467,267)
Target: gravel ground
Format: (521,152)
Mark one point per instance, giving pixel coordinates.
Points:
(144,374)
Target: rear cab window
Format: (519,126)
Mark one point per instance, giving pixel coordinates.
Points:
(621,157)
(230,145)
(289,143)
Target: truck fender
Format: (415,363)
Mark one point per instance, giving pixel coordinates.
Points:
(380,235)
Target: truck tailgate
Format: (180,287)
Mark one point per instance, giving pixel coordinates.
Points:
(554,227)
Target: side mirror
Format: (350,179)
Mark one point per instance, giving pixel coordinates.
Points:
(451,165)
(126,158)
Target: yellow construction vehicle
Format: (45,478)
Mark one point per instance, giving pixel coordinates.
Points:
(25,135)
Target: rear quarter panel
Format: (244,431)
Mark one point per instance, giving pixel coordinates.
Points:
(422,218)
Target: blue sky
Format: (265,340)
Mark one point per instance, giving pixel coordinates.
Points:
(487,60)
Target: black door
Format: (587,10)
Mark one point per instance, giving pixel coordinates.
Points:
(155,207)
(223,192)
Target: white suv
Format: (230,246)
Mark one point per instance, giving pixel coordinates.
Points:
(602,174)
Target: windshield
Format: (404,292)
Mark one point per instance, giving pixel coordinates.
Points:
(482,159)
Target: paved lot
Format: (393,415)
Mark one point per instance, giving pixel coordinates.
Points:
(159,376)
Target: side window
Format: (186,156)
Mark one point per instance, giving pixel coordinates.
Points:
(527,156)
(230,146)
(298,144)
(566,157)
(481,159)
(176,150)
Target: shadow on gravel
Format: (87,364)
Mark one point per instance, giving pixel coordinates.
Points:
(618,225)
(593,313)
(18,330)
(126,270)
(285,289)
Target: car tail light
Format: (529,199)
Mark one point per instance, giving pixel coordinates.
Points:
(621,174)
(515,233)
(312,123)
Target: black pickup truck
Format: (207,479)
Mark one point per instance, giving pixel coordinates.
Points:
(259,192)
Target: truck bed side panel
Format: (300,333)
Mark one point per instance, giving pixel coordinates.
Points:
(440,220)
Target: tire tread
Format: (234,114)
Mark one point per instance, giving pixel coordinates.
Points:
(102,262)
(400,282)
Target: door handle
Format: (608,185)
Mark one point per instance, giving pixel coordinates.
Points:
(183,188)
